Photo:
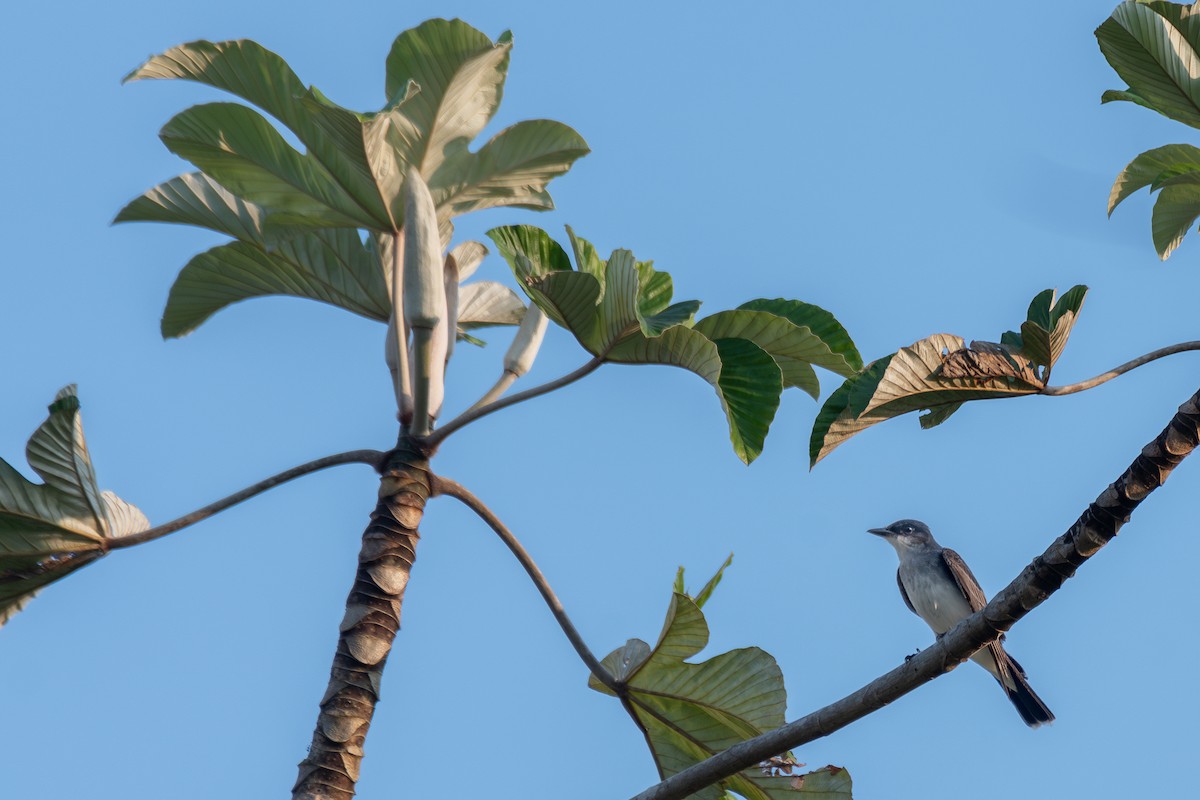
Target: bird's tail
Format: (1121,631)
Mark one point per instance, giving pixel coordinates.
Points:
(1028,704)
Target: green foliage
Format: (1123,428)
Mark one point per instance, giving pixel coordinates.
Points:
(51,529)
(1154,48)
(940,373)
(445,81)
(620,309)
(690,712)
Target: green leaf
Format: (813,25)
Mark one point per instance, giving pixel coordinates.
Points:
(745,377)
(242,151)
(51,529)
(690,712)
(1152,46)
(821,323)
(750,385)
(930,374)
(1175,211)
(702,596)
(461,76)
(352,172)
(331,266)
(793,347)
(586,258)
(196,199)
(1152,168)
(511,169)
(1047,327)
(530,251)
(603,307)
(1115,95)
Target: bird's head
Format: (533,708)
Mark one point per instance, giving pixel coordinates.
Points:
(905,534)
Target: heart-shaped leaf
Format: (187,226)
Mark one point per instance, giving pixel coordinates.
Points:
(690,712)
(50,529)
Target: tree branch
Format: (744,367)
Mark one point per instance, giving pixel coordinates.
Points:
(372,457)
(1097,525)
(1072,388)
(475,412)
(441,485)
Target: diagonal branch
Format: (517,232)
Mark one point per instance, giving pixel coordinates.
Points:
(1097,525)
(451,488)
(372,457)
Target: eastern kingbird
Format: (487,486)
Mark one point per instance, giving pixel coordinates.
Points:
(938,587)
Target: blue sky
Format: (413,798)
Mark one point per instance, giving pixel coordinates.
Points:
(914,169)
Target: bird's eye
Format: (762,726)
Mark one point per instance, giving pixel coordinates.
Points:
(907,529)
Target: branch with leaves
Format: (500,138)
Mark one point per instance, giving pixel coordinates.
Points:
(1046,574)
(940,373)
(49,530)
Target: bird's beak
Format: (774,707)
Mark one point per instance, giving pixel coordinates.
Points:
(879,531)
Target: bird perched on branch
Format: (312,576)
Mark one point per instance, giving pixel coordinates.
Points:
(938,587)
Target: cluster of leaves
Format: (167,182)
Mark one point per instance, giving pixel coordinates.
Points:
(51,529)
(690,712)
(1155,47)
(620,310)
(293,214)
(940,373)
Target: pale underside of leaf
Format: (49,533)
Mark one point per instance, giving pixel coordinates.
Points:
(485,303)
(910,380)
(51,529)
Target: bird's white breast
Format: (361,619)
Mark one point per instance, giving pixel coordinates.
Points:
(938,601)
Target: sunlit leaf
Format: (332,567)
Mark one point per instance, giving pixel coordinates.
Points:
(620,309)
(331,266)
(937,374)
(444,83)
(794,348)
(690,712)
(1152,168)
(1047,327)
(821,323)
(50,529)
(1152,46)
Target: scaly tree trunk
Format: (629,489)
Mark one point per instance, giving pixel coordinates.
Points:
(372,619)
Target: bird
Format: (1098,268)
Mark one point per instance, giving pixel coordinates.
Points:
(937,585)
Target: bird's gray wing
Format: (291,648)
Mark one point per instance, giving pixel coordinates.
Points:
(977,599)
(904,594)
(965,580)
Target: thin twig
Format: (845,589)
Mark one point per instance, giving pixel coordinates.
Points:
(451,488)
(372,457)
(1047,573)
(472,414)
(506,380)
(1072,388)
